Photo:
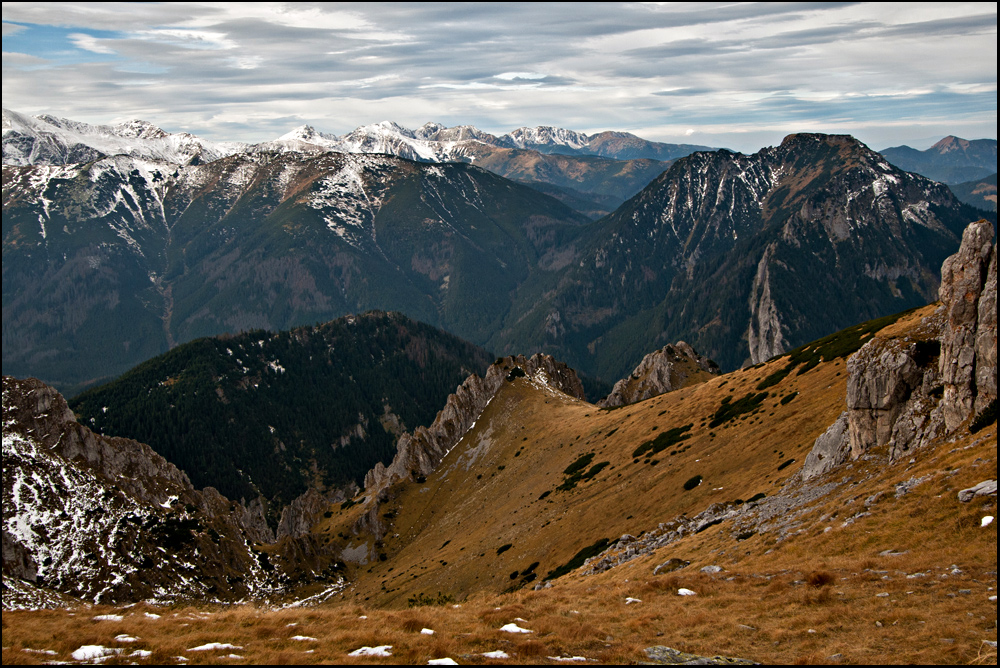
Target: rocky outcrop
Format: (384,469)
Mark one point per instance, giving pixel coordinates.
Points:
(985,488)
(109,520)
(969,341)
(886,379)
(903,392)
(670,368)
(661,655)
(299,517)
(420,453)
(831,449)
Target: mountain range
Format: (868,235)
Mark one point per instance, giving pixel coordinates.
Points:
(952,160)
(847,480)
(711,251)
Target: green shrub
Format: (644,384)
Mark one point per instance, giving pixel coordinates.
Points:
(578,559)
(692,483)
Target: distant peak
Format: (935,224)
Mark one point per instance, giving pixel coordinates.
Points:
(950,143)
(139,129)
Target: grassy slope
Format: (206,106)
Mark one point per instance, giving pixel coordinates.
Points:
(760,607)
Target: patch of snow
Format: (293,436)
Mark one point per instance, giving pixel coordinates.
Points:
(629,600)
(426,632)
(108,618)
(514,628)
(380,650)
(151,615)
(498,654)
(442,662)
(986,521)
(48,652)
(92,652)
(124,637)
(141,654)
(685,592)
(304,639)
(568,658)
(213,645)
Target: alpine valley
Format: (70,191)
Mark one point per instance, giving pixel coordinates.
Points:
(744,408)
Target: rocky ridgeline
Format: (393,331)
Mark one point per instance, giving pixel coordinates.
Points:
(109,520)
(419,453)
(661,371)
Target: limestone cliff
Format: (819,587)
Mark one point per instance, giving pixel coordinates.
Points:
(905,392)
(670,368)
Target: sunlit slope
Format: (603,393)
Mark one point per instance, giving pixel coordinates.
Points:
(506,482)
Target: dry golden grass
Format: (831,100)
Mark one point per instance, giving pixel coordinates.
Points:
(828,588)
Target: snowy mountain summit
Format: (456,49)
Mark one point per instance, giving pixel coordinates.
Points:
(50,140)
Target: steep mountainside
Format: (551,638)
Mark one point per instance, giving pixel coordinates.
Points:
(106,264)
(951,160)
(542,480)
(262,414)
(107,519)
(981,193)
(744,256)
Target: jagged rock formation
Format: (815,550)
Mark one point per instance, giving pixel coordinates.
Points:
(670,368)
(109,520)
(299,517)
(419,453)
(902,393)
(883,382)
(969,342)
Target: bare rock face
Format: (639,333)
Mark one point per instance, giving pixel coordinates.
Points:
(902,392)
(969,341)
(831,449)
(299,517)
(665,370)
(420,453)
(881,378)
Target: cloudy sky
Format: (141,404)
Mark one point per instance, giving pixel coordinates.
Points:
(736,75)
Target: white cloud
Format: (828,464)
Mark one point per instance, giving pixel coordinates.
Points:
(89,43)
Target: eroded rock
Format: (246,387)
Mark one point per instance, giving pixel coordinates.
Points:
(831,449)
(670,368)
(968,348)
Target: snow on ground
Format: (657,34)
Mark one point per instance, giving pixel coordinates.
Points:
(568,658)
(304,639)
(442,662)
(629,600)
(514,628)
(93,652)
(427,632)
(214,645)
(497,654)
(380,650)
(108,618)
(685,592)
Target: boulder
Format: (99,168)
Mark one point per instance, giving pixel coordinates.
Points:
(985,488)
